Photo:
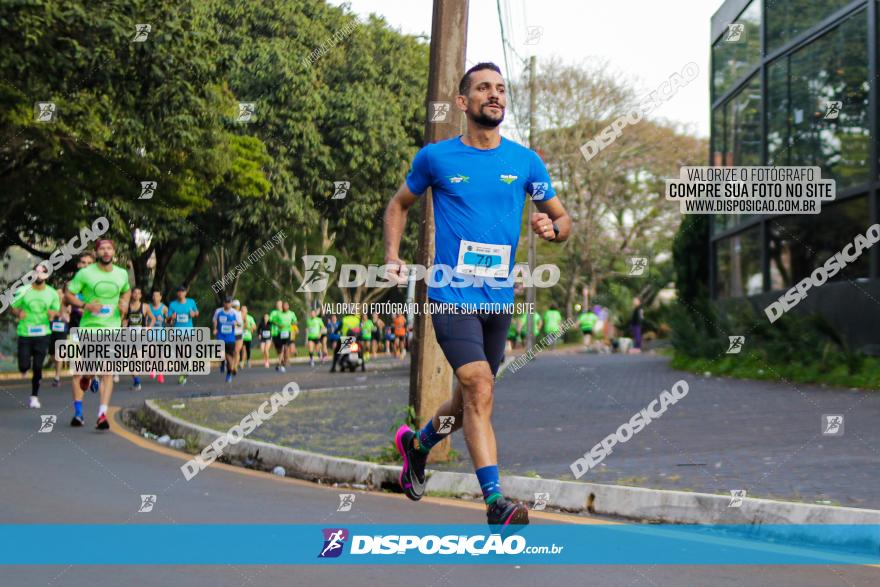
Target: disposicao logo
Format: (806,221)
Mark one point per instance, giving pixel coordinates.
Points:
(508,179)
(458,178)
(334,541)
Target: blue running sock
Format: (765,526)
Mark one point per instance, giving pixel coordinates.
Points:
(489,483)
(428,437)
(78,409)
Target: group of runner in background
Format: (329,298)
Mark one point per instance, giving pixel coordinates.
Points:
(99,296)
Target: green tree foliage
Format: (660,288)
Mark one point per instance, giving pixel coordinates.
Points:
(335,99)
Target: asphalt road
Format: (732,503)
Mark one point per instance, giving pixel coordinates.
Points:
(80,476)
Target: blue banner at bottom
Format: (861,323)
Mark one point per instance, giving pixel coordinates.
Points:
(569,544)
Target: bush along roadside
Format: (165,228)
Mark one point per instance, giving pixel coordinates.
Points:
(798,348)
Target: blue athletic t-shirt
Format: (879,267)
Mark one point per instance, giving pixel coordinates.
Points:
(182,310)
(157,314)
(478,197)
(226,324)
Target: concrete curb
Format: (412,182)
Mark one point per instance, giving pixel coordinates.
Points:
(633,503)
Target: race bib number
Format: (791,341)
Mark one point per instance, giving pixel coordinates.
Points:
(182,318)
(267,333)
(483,260)
(40,330)
(58,326)
(105,310)
(284,334)
(226,328)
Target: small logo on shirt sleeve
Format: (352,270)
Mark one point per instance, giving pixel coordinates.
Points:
(539,190)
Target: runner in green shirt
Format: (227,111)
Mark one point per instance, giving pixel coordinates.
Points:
(367,327)
(273,328)
(513,332)
(586,320)
(314,329)
(523,324)
(105,292)
(283,321)
(35,306)
(552,325)
(250,325)
(350,322)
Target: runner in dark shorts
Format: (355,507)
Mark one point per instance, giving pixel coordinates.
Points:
(468,337)
(480,183)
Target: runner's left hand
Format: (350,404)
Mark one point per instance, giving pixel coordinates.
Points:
(543,226)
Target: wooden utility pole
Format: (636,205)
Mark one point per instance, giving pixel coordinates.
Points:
(430,381)
(530,291)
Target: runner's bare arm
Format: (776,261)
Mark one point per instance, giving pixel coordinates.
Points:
(551,212)
(123,302)
(395,221)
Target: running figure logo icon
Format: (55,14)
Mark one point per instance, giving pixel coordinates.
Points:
(44,111)
(47,423)
(735,33)
(334,540)
(541,501)
(736,344)
(736,498)
(147,503)
(346,501)
(446,424)
(141,32)
(832,109)
(340,189)
(345,345)
(318,270)
(638,265)
(534,34)
(148,188)
(832,424)
(440,111)
(246,111)
(539,190)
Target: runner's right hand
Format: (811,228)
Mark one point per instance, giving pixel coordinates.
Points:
(396,271)
(93,307)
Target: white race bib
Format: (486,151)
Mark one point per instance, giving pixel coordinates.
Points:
(267,333)
(284,334)
(483,260)
(105,310)
(58,326)
(39,330)
(226,328)
(182,318)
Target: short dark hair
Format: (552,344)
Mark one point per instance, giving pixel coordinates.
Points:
(464,85)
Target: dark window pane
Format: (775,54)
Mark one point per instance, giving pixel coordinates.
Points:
(799,244)
(738,264)
(818,105)
(778,131)
(745,124)
(786,19)
(738,132)
(738,49)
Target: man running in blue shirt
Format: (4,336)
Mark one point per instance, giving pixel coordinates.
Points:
(181,313)
(479,183)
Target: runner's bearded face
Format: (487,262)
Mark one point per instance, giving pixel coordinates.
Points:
(486,99)
(105,253)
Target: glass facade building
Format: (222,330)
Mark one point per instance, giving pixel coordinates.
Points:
(791,84)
